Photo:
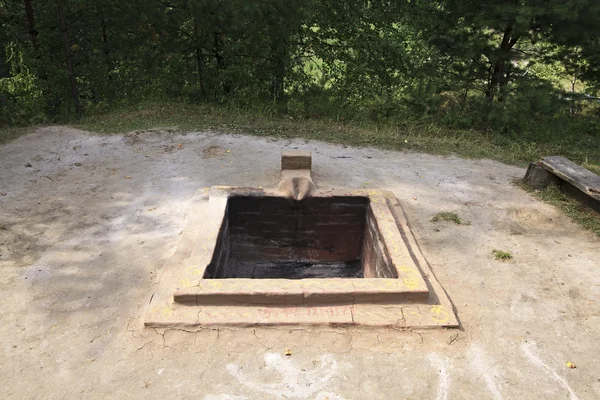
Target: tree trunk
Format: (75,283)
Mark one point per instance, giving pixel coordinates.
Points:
(31,23)
(277,84)
(499,77)
(199,61)
(467,86)
(106,49)
(279,53)
(572,110)
(221,62)
(70,73)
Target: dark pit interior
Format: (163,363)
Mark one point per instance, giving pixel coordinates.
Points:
(317,237)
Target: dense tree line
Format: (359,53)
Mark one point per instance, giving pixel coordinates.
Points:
(466,61)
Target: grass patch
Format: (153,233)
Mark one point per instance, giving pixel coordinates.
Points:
(395,133)
(449,216)
(501,255)
(594,168)
(399,134)
(579,213)
(10,133)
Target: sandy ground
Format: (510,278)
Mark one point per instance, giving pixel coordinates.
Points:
(87,222)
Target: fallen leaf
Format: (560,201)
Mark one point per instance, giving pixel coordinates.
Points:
(229,151)
(571,365)
(127,177)
(180,146)
(414,198)
(288,352)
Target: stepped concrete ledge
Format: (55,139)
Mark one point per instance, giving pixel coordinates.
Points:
(341,257)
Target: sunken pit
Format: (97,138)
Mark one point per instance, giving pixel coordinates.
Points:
(264,237)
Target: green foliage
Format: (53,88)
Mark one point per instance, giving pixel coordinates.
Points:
(527,71)
(501,255)
(21,100)
(449,216)
(333,125)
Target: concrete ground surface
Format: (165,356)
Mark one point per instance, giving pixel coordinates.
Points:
(88,221)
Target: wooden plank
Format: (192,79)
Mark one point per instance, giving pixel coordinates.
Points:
(580,196)
(581,178)
(538,178)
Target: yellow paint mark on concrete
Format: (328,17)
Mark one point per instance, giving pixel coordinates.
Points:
(185,282)
(166,311)
(440,314)
(409,277)
(193,270)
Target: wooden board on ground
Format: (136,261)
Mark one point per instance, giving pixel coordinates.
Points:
(538,178)
(581,178)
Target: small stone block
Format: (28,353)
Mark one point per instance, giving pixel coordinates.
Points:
(296,160)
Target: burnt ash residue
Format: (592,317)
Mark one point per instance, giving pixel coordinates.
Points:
(276,237)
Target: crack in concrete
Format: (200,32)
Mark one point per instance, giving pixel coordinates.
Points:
(267,348)
(144,345)
(350,343)
(198,315)
(151,355)
(172,330)
(133,331)
(165,330)
(161,335)
(402,313)
(420,336)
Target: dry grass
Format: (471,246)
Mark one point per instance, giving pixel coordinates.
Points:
(10,133)
(579,213)
(449,216)
(422,135)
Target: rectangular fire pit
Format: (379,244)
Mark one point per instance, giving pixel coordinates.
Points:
(318,237)
(252,257)
(339,248)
